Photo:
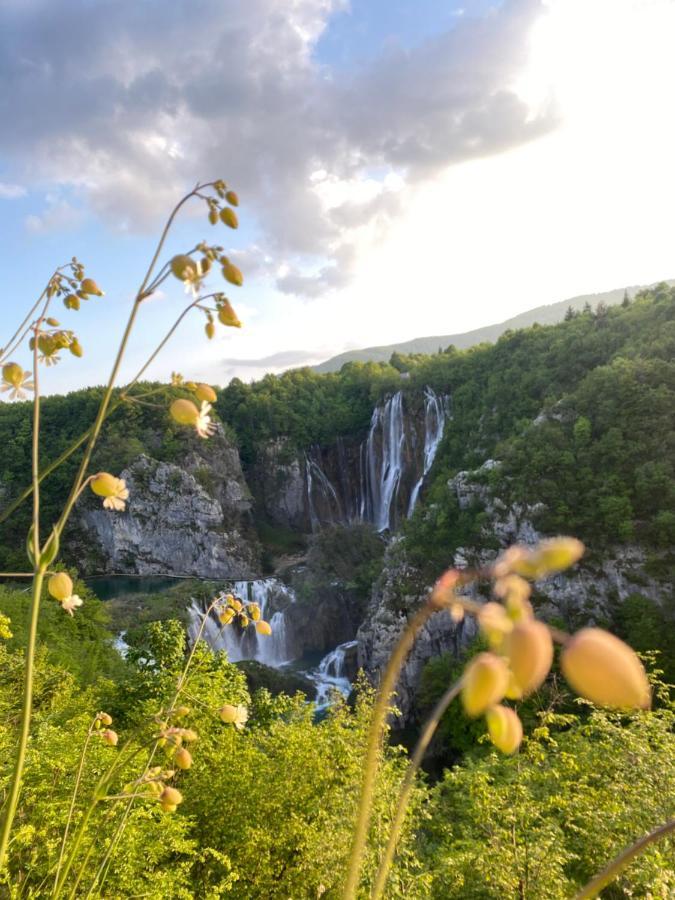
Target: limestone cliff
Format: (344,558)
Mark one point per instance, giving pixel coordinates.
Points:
(191,517)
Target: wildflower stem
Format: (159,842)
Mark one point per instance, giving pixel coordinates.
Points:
(38,578)
(402,802)
(370,763)
(100,876)
(617,865)
(78,778)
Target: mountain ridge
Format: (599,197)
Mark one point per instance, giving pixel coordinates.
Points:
(547,314)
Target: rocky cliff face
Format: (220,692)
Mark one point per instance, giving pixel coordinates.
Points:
(190,519)
(375,477)
(589,593)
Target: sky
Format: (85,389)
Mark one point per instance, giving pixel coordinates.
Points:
(404,169)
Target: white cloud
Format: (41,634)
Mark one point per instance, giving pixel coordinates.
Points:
(129,103)
(11,191)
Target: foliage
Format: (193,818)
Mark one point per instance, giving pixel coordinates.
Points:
(542,823)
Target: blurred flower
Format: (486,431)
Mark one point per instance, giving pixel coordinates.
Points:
(234,715)
(485,681)
(606,671)
(16,381)
(505,728)
(70,604)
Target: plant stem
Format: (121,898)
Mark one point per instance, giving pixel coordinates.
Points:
(72,805)
(609,873)
(370,762)
(406,787)
(38,578)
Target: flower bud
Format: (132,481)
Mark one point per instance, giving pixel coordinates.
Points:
(484,682)
(263,627)
(558,554)
(110,737)
(105,719)
(12,373)
(89,286)
(505,728)
(444,587)
(232,198)
(226,616)
(181,711)
(232,274)
(515,592)
(228,713)
(529,649)
(205,392)
(254,611)
(60,586)
(606,671)
(210,330)
(54,323)
(184,412)
(75,348)
(213,216)
(494,623)
(182,758)
(170,797)
(183,267)
(229,217)
(227,315)
(71,301)
(104,484)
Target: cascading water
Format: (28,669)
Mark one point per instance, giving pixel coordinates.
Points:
(246,643)
(383,480)
(330,674)
(434,423)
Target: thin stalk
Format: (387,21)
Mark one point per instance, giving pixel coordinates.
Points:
(38,578)
(617,865)
(370,763)
(423,742)
(78,778)
(100,876)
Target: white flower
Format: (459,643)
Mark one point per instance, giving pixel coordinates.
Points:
(71,603)
(204,426)
(16,381)
(117,499)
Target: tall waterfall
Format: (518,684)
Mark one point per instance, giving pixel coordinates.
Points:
(380,481)
(246,643)
(434,423)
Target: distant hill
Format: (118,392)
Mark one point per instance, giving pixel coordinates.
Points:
(543,315)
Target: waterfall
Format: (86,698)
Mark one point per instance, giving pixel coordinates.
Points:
(317,480)
(383,480)
(330,675)
(246,643)
(434,423)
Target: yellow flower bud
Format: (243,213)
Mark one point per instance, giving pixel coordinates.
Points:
(505,728)
(229,217)
(182,758)
(444,588)
(232,274)
(104,719)
(13,374)
(60,586)
(484,683)
(89,286)
(71,301)
(184,412)
(76,348)
(529,649)
(213,216)
(210,330)
(189,735)
(181,711)
(513,690)
(559,553)
(494,623)
(205,265)
(232,198)
(228,316)
(226,616)
(170,797)
(205,392)
(110,737)
(254,611)
(105,485)
(183,267)
(228,713)
(263,627)
(515,593)
(606,671)
(54,323)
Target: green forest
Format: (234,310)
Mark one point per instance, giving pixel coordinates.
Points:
(581,417)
